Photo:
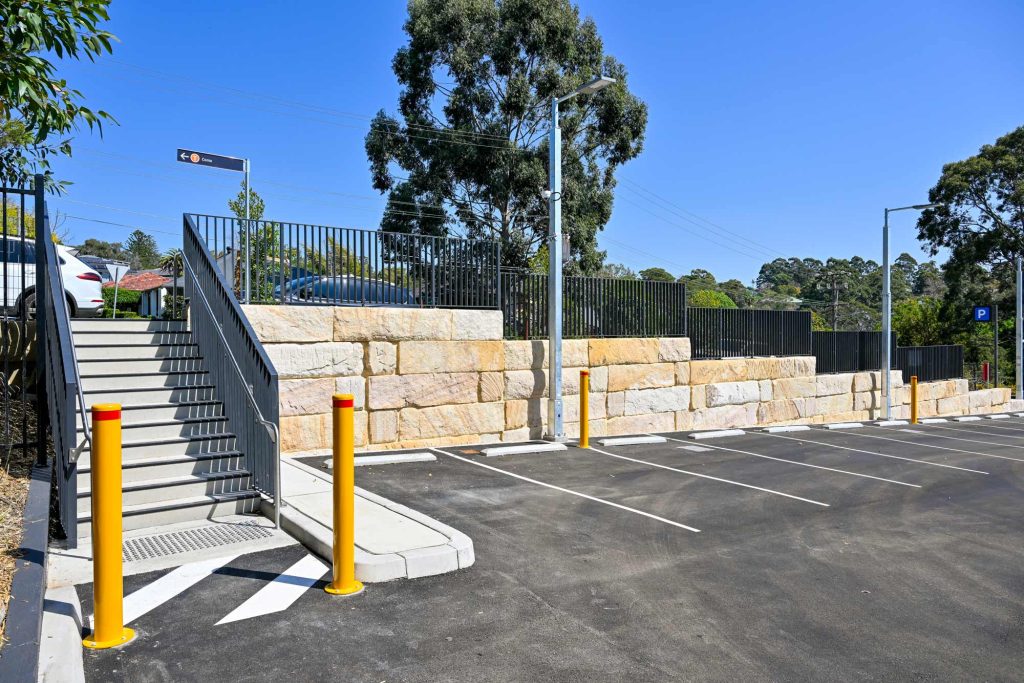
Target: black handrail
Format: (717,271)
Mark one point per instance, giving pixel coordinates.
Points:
(245,377)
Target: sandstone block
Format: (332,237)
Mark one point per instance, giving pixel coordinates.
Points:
(616,404)
(352,385)
(725,417)
(382,358)
(796,366)
(896,378)
(525,384)
(837,403)
(673,349)
(684,420)
(297,324)
(794,387)
(383,426)
(451,420)
(867,400)
(764,368)
(323,359)
(622,377)
(829,385)
(599,378)
(765,389)
(373,323)
(962,386)
(571,408)
(732,393)
(664,400)
(521,434)
(784,410)
(313,432)
(954,405)
(517,414)
(305,396)
(421,391)
(640,424)
(492,387)
(533,354)
(424,357)
(623,351)
(866,381)
(698,397)
(714,371)
(470,324)
(682,373)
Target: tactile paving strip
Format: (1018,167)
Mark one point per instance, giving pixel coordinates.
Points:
(189,540)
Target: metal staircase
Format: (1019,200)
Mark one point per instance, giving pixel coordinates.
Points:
(181,460)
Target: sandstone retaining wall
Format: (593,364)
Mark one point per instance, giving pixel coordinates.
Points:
(426,377)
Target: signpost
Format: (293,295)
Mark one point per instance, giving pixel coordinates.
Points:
(190,156)
(990,314)
(117,271)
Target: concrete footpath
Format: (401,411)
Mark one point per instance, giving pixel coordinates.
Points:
(392,541)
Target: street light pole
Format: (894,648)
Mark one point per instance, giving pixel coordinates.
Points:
(887,306)
(248,235)
(556,426)
(1019,329)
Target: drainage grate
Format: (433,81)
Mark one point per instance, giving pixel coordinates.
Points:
(188,540)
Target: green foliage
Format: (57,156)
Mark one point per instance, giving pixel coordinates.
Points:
(615,270)
(918,322)
(263,240)
(108,250)
(142,251)
(477,79)
(12,213)
(128,301)
(818,323)
(709,298)
(659,274)
(35,104)
(175,307)
(172,261)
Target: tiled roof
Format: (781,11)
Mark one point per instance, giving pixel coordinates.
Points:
(141,282)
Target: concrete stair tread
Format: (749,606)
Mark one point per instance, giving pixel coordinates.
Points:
(193,501)
(172,439)
(144,389)
(164,423)
(166,460)
(174,481)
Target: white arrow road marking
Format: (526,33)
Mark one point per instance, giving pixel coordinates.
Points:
(279,594)
(151,596)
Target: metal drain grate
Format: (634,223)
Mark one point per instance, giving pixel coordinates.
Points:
(188,540)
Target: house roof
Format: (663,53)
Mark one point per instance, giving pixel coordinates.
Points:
(141,282)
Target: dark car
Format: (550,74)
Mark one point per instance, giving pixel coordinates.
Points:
(349,291)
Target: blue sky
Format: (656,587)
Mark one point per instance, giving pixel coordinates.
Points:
(789,124)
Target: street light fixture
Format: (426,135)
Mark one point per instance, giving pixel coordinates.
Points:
(556,428)
(887,304)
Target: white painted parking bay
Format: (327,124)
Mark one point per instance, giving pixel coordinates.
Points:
(914,440)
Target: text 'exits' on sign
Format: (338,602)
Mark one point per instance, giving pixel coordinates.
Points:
(982,314)
(189,156)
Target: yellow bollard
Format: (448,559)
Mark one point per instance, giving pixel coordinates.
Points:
(913,399)
(108,572)
(344,582)
(584,409)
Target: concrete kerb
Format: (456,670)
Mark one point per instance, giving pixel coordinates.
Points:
(786,428)
(999,416)
(891,423)
(631,440)
(843,425)
(456,553)
(718,434)
(522,449)
(967,418)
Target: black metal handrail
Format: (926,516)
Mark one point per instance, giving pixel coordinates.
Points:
(63,384)
(245,377)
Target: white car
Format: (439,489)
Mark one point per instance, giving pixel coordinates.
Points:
(81,283)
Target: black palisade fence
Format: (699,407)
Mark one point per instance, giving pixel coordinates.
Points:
(930,363)
(745,332)
(849,351)
(593,307)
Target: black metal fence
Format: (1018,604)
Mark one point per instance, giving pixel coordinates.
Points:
(593,307)
(744,332)
(849,351)
(293,263)
(930,363)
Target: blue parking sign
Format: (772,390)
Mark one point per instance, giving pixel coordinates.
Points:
(982,314)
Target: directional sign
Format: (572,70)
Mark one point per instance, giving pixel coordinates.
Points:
(189,156)
(982,314)
(117,271)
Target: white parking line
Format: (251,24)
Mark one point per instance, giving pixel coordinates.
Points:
(569,491)
(279,594)
(708,476)
(976,431)
(941,448)
(881,455)
(173,583)
(1002,427)
(806,464)
(990,443)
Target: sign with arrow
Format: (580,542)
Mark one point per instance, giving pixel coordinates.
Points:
(188,156)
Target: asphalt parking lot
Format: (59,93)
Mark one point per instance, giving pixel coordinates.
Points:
(878,553)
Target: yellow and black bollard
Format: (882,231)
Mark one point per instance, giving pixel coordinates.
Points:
(584,409)
(108,572)
(344,582)
(913,400)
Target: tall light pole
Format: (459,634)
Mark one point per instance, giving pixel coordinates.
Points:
(887,305)
(1019,329)
(556,428)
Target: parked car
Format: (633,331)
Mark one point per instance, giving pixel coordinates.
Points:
(348,291)
(81,283)
(295,284)
(100,265)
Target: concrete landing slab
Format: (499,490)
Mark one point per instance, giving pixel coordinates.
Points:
(392,541)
